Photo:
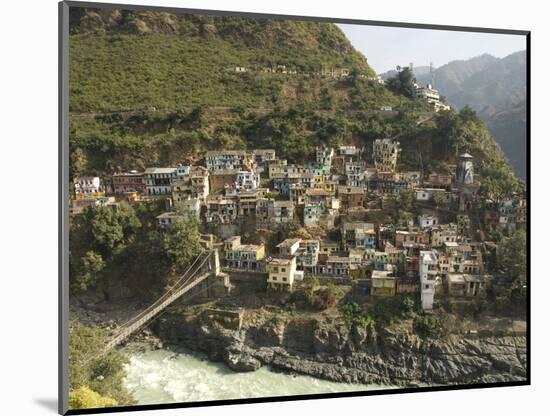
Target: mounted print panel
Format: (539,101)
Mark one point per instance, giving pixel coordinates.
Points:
(261,208)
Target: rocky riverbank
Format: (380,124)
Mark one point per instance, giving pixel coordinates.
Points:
(330,350)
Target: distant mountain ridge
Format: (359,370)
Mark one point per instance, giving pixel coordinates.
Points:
(496,89)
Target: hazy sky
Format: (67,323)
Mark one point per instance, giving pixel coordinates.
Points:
(386,47)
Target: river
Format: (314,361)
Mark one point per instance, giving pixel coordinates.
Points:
(164,376)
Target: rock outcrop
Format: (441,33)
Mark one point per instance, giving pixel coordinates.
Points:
(335,352)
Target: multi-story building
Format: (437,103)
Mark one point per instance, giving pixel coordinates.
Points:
(428,265)
(158,181)
(194,184)
(282,184)
(441,234)
(385,154)
(309,255)
(351,197)
(86,186)
(289,247)
(282,273)
(271,213)
(358,235)
(355,173)
(221,209)
(243,256)
(247,181)
(229,160)
(382,283)
(323,156)
(128,182)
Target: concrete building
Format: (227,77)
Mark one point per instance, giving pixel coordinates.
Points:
(128,182)
(86,186)
(247,181)
(243,256)
(385,154)
(466,285)
(158,181)
(282,273)
(221,209)
(194,184)
(428,267)
(358,235)
(229,160)
(383,283)
(351,197)
(289,247)
(323,156)
(427,221)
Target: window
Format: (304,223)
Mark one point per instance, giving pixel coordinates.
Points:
(283,269)
(284,279)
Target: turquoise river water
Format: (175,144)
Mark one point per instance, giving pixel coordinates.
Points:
(164,376)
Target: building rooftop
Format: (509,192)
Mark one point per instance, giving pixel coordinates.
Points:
(160,170)
(214,153)
(288,242)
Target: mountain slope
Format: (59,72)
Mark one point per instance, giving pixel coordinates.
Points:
(496,89)
(187,60)
(155,89)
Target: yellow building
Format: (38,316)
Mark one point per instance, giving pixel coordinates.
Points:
(282,273)
(382,283)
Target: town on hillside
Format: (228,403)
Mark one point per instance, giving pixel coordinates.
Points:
(355,219)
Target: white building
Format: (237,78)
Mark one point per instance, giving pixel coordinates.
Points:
(86,185)
(289,247)
(324,155)
(229,160)
(427,221)
(428,273)
(247,181)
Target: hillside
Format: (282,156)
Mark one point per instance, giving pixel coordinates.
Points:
(159,89)
(496,89)
(172,61)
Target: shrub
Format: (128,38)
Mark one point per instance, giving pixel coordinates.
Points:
(85,398)
(427,326)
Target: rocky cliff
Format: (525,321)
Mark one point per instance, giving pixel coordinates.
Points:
(335,352)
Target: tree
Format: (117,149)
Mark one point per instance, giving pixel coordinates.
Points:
(88,274)
(512,254)
(439,199)
(110,228)
(180,242)
(326,101)
(403,82)
(102,374)
(498,182)
(85,398)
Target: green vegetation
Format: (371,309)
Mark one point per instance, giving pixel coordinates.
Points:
(383,311)
(322,298)
(402,83)
(112,245)
(427,326)
(84,398)
(95,382)
(512,254)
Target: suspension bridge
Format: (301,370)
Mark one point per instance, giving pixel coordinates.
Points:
(205,265)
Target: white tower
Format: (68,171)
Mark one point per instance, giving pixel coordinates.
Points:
(465,170)
(428,273)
